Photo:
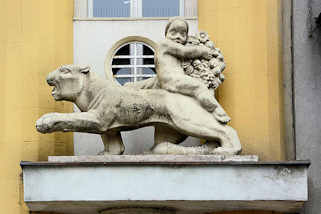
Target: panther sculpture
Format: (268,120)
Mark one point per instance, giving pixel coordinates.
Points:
(107,108)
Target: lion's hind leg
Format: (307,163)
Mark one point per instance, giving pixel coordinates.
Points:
(113,144)
(233,147)
(165,140)
(211,130)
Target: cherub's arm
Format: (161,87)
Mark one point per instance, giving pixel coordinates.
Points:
(181,51)
(182,84)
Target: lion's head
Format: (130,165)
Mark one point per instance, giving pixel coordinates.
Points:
(67,81)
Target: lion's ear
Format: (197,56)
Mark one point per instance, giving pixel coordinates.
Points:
(84,69)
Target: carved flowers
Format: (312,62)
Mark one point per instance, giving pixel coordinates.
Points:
(207,71)
(203,37)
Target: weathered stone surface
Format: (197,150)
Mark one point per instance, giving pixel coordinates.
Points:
(137,211)
(110,108)
(182,104)
(154,158)
(187,187)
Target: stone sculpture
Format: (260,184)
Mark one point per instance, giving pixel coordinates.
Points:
(179,102)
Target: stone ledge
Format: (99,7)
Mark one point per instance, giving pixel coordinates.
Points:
(195,187)
(155,158)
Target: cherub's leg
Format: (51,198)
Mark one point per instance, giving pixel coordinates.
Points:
(113,144)
(220,114)
(183,84)
(209,102)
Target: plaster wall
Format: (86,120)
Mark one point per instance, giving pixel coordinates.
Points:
(307,94)
(36,37)
(92,41)
(249,35)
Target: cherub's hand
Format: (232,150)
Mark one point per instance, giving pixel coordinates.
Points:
(208,56)
(209,53)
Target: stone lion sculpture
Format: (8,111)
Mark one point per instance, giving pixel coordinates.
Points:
(108,108)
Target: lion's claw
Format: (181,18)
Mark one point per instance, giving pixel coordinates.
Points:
(45,123)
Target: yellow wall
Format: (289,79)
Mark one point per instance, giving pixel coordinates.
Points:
(36,37)
(248,33)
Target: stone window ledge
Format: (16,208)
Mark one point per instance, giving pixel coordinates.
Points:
(184,184)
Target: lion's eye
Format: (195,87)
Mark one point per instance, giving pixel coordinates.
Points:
(64,70)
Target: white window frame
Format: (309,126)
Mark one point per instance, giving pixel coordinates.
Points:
(136,8)
(135,56)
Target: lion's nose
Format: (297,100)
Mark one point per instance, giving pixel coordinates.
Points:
(50,79)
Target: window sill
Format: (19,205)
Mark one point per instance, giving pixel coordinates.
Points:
(127,18)
(198,184)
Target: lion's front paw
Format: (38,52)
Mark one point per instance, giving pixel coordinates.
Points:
(45,123)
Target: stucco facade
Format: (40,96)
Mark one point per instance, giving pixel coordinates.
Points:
(248,32)
(38,36)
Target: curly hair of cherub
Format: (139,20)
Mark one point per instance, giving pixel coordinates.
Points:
(171,20)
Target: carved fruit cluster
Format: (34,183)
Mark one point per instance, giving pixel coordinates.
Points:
(209,70)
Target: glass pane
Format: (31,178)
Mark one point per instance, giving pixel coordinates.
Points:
(148,61)
(111,8)
(148,71)
(123,51)
(119,61)
(147,50)
(122,71)
(124,80)
(163,8)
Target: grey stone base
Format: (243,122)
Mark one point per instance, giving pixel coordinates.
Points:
(177,184)
(167,207)
(130,210)
(155,158)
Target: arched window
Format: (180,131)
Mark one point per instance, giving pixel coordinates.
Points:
(133,61)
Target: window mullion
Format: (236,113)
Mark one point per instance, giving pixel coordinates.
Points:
(129,57)
(139,8)
(135,62)
(181,7)
(90,8)
(135,8)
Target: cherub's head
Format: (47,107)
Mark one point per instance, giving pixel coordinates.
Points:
(177,30)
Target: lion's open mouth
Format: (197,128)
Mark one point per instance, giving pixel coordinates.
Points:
(54,90)
(55,87)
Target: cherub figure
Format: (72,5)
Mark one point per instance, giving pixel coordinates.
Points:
(169,57)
